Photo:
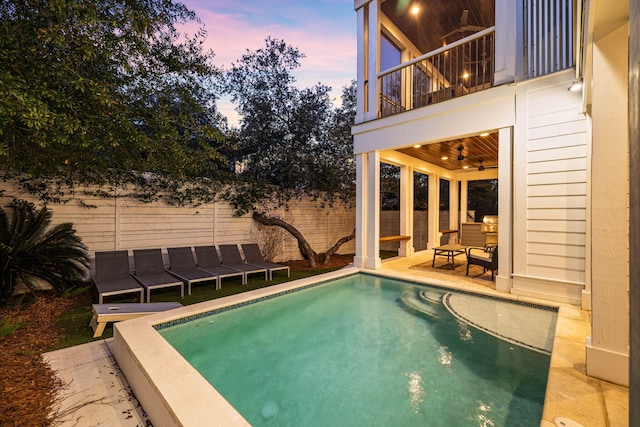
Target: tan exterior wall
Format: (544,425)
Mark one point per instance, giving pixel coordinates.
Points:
(124,223)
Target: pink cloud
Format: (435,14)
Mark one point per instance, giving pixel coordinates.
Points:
(330,47)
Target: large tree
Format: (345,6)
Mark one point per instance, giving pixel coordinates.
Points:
(292,142)
(96,92)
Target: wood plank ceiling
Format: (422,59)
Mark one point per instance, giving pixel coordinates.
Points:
(438,23)
(456,154)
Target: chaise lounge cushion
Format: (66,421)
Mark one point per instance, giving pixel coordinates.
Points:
(113,275)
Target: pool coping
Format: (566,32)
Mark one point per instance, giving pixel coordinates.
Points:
(173,393)
(169,389)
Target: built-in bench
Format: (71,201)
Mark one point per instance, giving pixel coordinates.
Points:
(387,239)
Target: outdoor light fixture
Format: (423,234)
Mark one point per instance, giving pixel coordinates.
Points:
(575,86)
(415,10)
(465,75)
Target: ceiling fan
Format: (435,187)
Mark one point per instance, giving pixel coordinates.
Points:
(483,167)
(464,26)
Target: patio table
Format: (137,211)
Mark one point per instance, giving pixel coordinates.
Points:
(451,251)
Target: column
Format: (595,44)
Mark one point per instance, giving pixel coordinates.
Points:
(362,47)
(361,210)
(372,259)
(372,60)
(505,211)
(406,210)
(454,216)
(434,212)
(464,203)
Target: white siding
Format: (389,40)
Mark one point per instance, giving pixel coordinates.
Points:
(556,185)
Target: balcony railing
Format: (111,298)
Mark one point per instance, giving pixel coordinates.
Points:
(463,67)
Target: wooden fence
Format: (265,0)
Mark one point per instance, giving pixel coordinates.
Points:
(124,223)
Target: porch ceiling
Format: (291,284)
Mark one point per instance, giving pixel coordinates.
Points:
(437,18)
(474,149)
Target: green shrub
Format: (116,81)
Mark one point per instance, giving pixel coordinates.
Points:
(30,249)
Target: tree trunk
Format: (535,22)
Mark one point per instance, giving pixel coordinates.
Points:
(332,250)
(305,249)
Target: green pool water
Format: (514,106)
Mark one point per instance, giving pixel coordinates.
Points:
(352,353)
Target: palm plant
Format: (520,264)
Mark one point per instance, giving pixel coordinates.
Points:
(30,249)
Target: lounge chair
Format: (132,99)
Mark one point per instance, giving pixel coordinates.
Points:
(486,257)
(231,258)
(113,275)
(150,271)
(253,255)
(208,261)
(182,266)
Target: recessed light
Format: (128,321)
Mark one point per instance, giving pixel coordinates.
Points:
(415,10)
(444,158)
(465,167)
(484,134)
(417,146)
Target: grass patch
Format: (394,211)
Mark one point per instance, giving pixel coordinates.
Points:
(74,323)
(9,325)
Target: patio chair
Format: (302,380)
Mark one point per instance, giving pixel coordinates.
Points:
(182,266)
(253,255)
(487,258)
(208,261)
(113,275)
(231,258)
(150,272)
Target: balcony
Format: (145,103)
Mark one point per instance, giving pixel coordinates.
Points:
(460,68)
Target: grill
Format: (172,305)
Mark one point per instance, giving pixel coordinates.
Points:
(490,228)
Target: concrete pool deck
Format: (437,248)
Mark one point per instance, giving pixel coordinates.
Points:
(98,394)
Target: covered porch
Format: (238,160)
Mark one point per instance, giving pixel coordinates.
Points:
(443,173)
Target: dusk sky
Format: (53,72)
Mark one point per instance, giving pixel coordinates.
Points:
(323,30)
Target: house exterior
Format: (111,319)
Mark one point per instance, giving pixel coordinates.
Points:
(463,91)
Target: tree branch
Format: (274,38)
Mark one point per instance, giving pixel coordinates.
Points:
(305,249)
(332,250)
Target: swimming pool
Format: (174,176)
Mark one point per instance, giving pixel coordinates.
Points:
(363,351)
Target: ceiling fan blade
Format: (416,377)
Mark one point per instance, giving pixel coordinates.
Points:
(472,28)
(464,18)
(450,33)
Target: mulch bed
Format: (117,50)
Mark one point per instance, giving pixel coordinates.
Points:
(335,261)
(27,385)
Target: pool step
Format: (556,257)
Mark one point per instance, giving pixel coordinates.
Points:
(432,296)
(416,303)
